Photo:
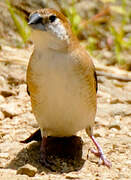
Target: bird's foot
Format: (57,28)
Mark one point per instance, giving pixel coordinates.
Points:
(100,154)
(48,164)
(102,158)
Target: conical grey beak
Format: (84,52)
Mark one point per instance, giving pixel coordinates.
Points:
(34,18)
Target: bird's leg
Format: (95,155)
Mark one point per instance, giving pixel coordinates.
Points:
(100,153)
(43,158)
(43,150)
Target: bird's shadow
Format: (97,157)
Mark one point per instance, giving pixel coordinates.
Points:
(65,155)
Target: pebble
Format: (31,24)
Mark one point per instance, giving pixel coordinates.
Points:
(7,93)
(4,155)
(10,109)
(115,124)
(97,134)
(118,83)
(115,100)
(28,170)
(72,176)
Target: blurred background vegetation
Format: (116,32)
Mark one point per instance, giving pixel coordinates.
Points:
(102,26)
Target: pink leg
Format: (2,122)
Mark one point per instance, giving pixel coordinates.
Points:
(100,153)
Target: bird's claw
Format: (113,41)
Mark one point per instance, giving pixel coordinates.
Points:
(48,164)
(102,158)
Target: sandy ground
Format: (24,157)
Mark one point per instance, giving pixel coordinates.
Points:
(69,156)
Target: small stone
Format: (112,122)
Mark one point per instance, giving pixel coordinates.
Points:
(4,155)
(115,124)
(10,109)
(118,83)
(72,176)
(27,170)
(97,134)
(7,93)
(115,101)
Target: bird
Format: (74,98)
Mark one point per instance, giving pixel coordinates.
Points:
(61,80)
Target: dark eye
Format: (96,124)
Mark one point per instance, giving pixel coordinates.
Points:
(52,18)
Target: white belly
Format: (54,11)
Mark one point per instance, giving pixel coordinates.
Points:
(62,104)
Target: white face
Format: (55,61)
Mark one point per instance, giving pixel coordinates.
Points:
(50,24)
(58,29)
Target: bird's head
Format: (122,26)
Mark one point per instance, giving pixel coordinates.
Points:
(52,21)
